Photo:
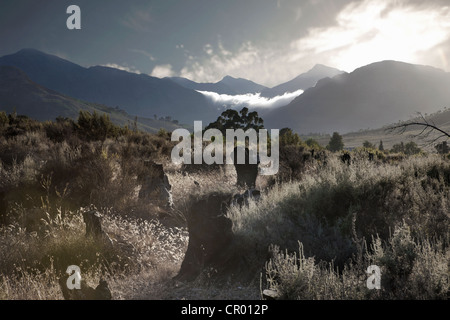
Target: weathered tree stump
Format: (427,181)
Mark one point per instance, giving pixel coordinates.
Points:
(155,184)
(93,224)
(92,219)
(210,237)
(101,292)
(246,172)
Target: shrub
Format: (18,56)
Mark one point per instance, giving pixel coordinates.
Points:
(60,130)
(3,120)
(332,205)
(313,144)
(300,278)
(409,270)
(288,137)
(96,127)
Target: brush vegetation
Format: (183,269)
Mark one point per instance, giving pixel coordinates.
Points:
(317,227)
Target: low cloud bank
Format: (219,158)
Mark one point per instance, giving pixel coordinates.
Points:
(250,100)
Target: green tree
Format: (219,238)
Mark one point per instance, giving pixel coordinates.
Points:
(231,119)
(443,147)
(380,146)
(336,143)
(288,137)
(412,148)
(3,119)
(313,144)
(368,145)
(163,133)
(96,127)
(398,148)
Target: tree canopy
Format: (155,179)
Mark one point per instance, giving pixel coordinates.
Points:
(336,143)
(232,119)
(288,137)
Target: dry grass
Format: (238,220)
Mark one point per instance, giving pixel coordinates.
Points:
(400,209)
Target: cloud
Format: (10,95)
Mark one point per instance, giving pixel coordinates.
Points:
(138,19)
(208,49)
(161,71)
(371,31)
(143,52)
(123,68)
(254,101)
(247,62)
(363,32)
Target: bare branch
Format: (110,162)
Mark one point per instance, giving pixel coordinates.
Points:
(426,132)
(427,125)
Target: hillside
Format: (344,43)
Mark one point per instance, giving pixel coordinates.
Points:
(137,94)
(441,119)
(369,97)
(20,94)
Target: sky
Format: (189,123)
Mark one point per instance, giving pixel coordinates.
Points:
(266,41)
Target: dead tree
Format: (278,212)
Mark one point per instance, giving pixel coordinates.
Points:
(427,129)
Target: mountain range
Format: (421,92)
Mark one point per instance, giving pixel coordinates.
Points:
(18,93)
(44,86)
(303,81)
(369,97)
(228,85)
(137,94)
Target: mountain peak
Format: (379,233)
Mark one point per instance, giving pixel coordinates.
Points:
(30,55)
(227,78)
(29,50)
(323,69)
(370,96)
(240,85)
(303,81)
(34,52)
(320,66)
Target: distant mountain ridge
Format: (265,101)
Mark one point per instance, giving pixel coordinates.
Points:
(46,86)
(228,85)
(18,93)
(137,94)
(369,97)
(303,81)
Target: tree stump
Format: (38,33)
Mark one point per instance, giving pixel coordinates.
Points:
(92,219)
(155,184)
(210,237)
(246,172)
(101,292)
(93,225)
